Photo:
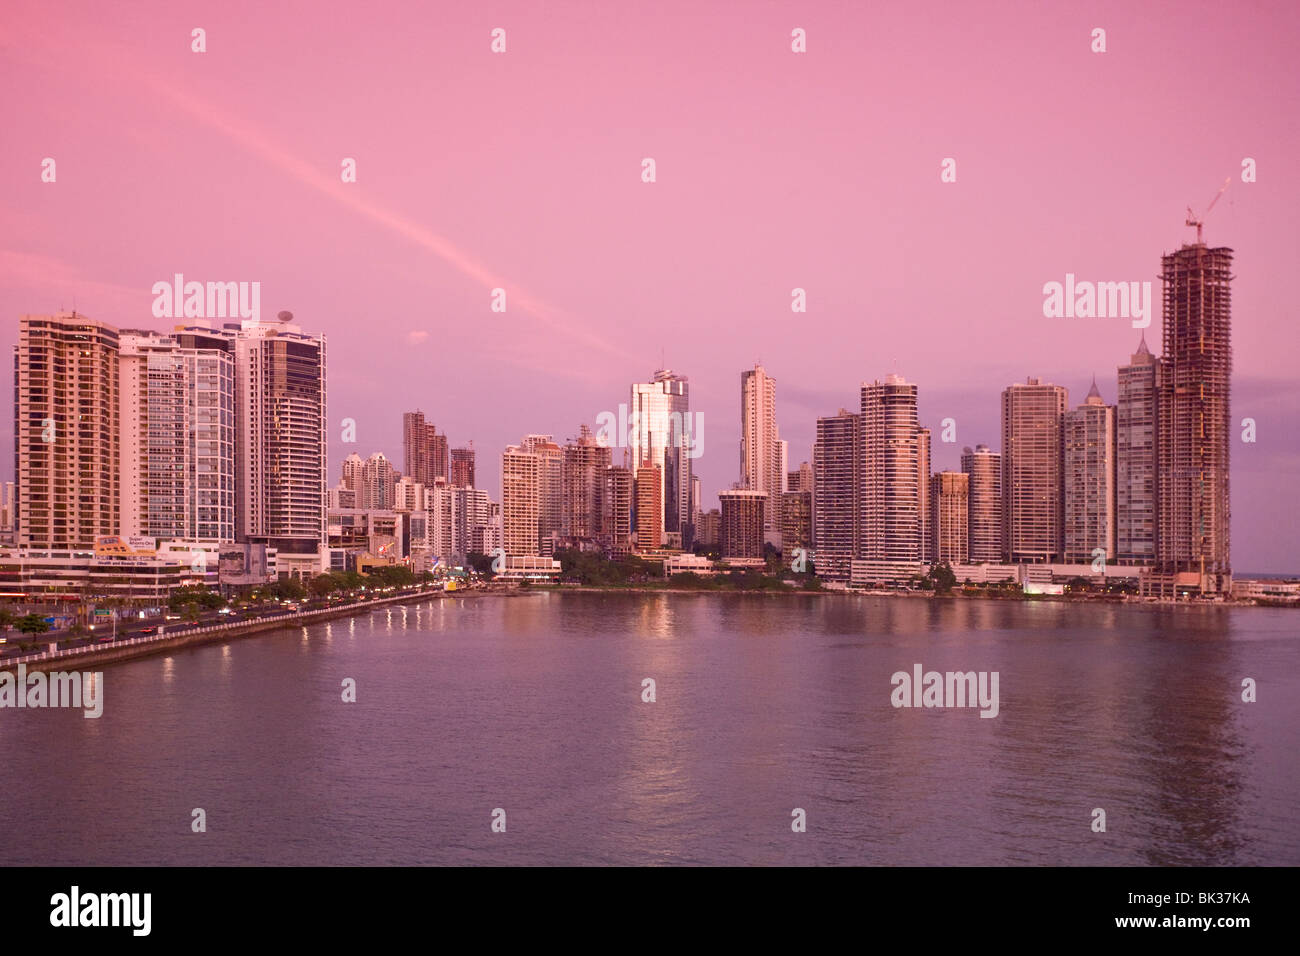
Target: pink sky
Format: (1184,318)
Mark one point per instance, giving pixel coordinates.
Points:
(775,170)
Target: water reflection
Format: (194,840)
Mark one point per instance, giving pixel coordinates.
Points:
(762,704)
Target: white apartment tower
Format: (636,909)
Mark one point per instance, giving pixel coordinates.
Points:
(1090,479)
(280,401)
(762,459)
(177,414)
(893,525)
(521,478)
(984,508)
(1136,449)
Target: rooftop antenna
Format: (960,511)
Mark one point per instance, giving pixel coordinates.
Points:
(1198,223)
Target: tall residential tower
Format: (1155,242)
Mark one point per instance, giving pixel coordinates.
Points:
(663,436)
(762,465)
(1135,459)
(66,431)
(1033,506)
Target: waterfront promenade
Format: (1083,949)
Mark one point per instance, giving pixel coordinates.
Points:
(183,636)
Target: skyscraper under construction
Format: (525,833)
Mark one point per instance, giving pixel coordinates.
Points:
(1194,431)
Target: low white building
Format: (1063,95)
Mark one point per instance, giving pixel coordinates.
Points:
(529,567)
(687,563)
(51,576)
(1265,590)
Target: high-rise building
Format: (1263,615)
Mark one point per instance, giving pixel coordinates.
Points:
(177,440)
(440,504)
(801,480)
(891,501)
(280,441)
(662,436)
(695,501)
(796,520)
(649,508)
(521,501)
(1135,459)
(761,460)
(550,515)
(378,487)
(1033,504)
(492,536)
(1193,433)
(950,517)
(341,497)
(408,495)
(9,507)
(473,515)
(923,487)
(619,508)
(984,504)
(1089,476)
(462,467)
(740,533)
(66,431)
(375,482)
(425,451)
(837,493)
(709,529)
(351,475)
(583,485)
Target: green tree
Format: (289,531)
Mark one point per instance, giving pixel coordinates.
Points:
(480,563)
(287,588)
(943,577)
(771,558)
(391,576)
(323,585)
(33,624)
(197,594)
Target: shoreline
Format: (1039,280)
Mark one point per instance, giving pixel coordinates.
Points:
(137,648)
(955,594)
(140,647)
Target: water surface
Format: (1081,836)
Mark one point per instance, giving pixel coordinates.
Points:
(764,704)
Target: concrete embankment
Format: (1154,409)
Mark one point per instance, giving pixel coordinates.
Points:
(81,658)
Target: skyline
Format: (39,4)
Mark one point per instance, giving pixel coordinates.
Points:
(892,509)
(823,173)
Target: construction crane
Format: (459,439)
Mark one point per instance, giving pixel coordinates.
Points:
(1198,223)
